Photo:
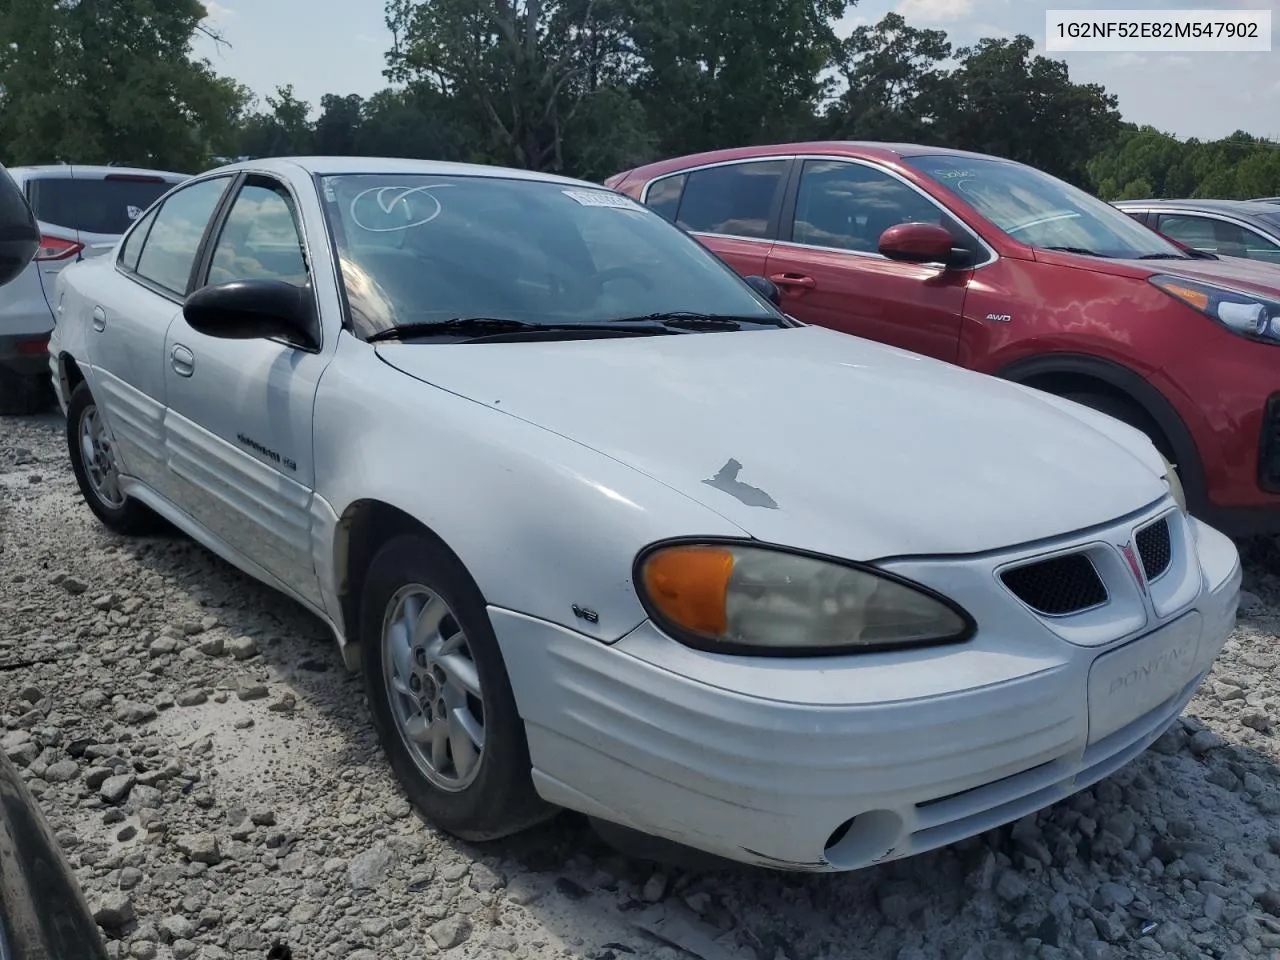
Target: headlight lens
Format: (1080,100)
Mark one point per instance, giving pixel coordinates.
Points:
(1247,314)
(735,598)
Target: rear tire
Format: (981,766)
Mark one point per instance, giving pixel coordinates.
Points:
(22,396)
(439,694)
(92,460)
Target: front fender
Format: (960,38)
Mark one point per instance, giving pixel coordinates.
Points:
(541,522)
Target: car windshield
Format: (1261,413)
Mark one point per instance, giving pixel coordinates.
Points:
(423,249)
(1041,210)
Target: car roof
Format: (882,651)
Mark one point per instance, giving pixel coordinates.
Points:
(856,149)
(351,166)
(1236,207)
(36,171)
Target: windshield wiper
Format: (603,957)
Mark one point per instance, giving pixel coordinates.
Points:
(690,320)
(1081,250)
(487,326)
(1187,255)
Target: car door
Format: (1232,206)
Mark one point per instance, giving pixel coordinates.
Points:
(238,426)
(831,273)
(731,208)
(129,314)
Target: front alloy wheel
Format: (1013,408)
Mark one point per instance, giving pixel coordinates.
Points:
(433,687)
(439,694)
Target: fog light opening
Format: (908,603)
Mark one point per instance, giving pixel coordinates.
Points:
(864,839)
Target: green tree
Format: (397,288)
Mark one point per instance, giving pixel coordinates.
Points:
(896,83)
(1006,102)
(721,73)
(524,74)
(283,130)
(99,81)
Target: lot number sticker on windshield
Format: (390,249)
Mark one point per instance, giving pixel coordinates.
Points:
(601,198)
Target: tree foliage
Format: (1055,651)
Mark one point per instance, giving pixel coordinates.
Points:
(97,81)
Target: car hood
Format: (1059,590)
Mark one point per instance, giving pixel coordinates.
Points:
(1237,272)
(817,440)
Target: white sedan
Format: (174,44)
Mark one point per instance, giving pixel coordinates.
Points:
(607,531)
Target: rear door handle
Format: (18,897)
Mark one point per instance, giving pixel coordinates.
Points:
(183,360)
(794,280)
(99,319)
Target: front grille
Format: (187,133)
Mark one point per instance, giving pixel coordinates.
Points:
(1155,548)
(1269,453)
(1059,586)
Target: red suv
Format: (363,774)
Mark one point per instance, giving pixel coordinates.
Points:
(1000,267)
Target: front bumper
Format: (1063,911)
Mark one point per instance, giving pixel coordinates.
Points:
(835,765)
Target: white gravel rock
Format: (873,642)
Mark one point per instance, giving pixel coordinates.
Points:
(209,767)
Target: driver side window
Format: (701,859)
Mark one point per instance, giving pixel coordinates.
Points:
(260,239)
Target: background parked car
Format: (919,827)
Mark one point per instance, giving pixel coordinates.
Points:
(43,915)
(1002,268)
(81,211)
(1226,228)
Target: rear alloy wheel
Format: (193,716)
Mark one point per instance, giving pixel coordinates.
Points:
(93,460)
(439,694)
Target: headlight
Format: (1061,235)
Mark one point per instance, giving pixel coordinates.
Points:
(1175,484)
(739,598)
(1247,314)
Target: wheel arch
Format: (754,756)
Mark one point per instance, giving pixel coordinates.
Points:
(1077,373)
(70,375)
(364,526)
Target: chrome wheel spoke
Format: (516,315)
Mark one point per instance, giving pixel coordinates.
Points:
(418,730)
(462,673)
(397,643)
(466,753)
(471,728)
(426,622)
(439,734)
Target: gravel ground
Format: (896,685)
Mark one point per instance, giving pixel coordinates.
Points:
(209,768)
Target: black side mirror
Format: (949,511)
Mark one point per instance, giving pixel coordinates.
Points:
(19,234)
(253,310)
(766,288)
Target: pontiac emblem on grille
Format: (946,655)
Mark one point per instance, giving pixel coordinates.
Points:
(1135,565)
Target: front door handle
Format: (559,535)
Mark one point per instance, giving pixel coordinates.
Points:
(183,360)
(99,319)
(794,280)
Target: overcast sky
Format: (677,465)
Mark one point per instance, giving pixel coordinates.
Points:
(338,46)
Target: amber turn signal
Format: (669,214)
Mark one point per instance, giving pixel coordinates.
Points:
(689,585)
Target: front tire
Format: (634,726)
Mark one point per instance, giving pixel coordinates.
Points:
(92,451)
(439,694)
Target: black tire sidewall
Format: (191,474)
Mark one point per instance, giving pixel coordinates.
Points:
(501,800)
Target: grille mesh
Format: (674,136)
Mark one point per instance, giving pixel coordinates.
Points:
(1059,586)
(1155,548)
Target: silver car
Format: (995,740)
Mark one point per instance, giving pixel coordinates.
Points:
(1225,228)
(81,211)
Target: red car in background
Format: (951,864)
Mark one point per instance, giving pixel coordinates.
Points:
(1002,268)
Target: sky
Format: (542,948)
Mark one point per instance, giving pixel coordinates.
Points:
(339,46)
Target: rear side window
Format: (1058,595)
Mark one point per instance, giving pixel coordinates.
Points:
(664,196)
(736,199)
(171,245)
(93,205)
(131,249)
